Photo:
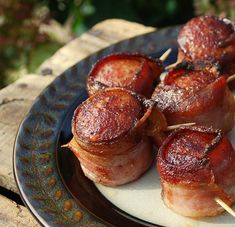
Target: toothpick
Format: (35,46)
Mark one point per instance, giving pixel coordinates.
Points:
(65,145)
(230,78)
(173,127)
(172,65)
(225,206)
(165,55)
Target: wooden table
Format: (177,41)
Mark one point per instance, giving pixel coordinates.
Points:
(17,98)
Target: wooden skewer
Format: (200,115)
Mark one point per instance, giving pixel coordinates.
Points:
(173,127)
(225,206)
(169,128)
(165,55)
(172,65)
(70,144)
(230,78)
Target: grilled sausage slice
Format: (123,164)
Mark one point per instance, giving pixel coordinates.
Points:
(111,135)
(208,38)
(197,164)
(192,94)
(133,71)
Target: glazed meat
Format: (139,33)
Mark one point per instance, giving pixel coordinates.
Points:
(112,132)
(197,165)
(208,38)
(135,72)
(191,93)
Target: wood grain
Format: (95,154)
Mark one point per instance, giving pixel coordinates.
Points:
(15,102)
(12,214)
(100,36)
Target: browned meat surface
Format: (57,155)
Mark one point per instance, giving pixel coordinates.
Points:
(133,71)
(208,38)
(193,95)
(196,165)
(112,131)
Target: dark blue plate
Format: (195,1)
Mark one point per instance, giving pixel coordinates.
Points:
(49,178)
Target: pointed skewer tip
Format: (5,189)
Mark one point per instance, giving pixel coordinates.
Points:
(165,55)
(172,65)
(230,78)
(225,206)
(65,145)
(173,127)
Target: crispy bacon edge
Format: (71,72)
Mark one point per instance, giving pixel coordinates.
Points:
(152,123)
(212,105)
(226,46)
(144,83)
(115,169)
(194,196)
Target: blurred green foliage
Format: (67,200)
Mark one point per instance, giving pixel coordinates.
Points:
(153,12)
(32,30)
(20,38)
(224,8)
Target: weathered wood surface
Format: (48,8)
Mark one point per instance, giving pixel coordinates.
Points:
(12,214)
(15,101)
(17,98)
(100,36)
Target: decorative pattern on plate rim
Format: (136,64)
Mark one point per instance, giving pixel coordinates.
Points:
(35,151)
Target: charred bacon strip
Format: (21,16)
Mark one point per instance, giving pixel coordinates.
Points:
(133,71)
(111,132)
(208,38)
(196,165)
(191,93)
(113,170)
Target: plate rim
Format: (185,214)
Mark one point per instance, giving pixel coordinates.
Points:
(57,80)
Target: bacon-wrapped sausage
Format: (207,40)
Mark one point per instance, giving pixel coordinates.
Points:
(196,165)
(208,38)
(193,94)
(111,139)
(133,71)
